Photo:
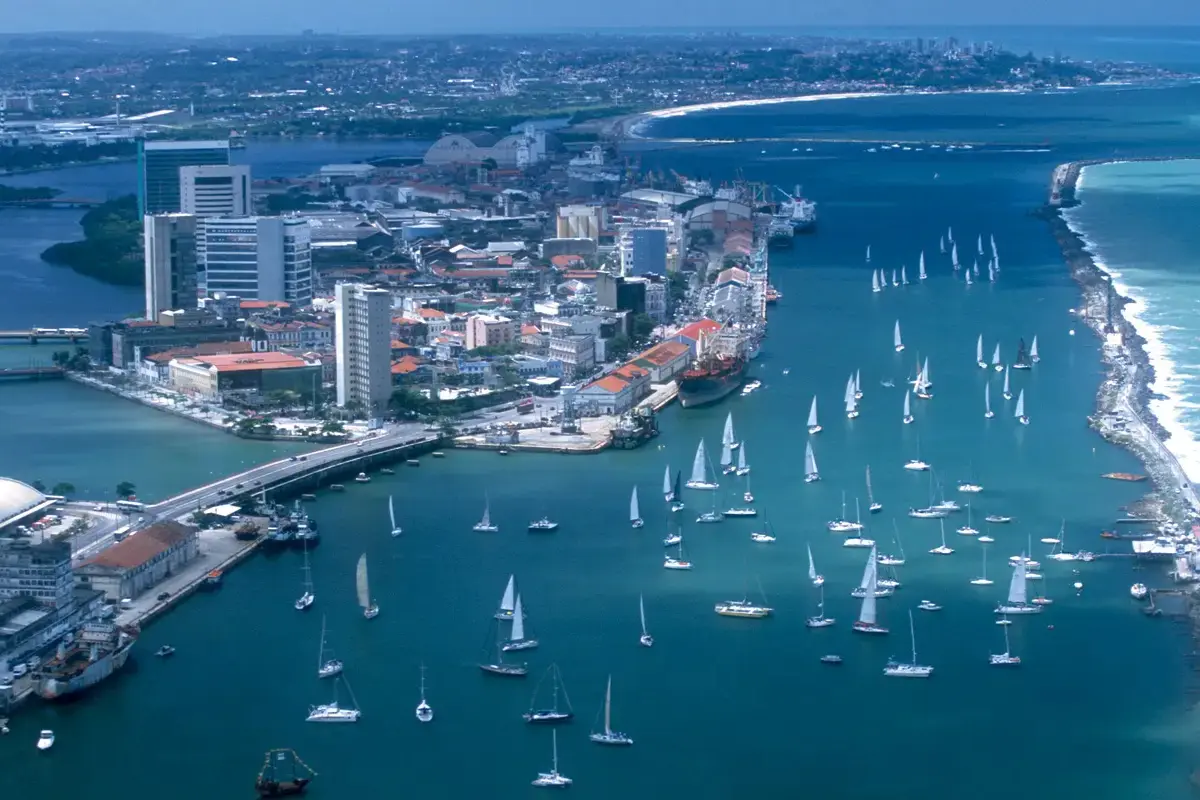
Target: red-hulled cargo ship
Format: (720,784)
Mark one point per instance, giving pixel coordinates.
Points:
(711,379)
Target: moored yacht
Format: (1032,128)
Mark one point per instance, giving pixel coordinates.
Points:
(942,549)
(814,427)
(742,608)
(608,735)
(424,711)
(867,622)
(1017,602)
(543,525)
(553,778)
(699,479)
(635,517)
(1005,659)
(811,475)
(677,561)
(896,669)
(928,605)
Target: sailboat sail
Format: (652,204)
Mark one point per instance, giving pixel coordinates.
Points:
(1006,392)
(633,506)
(667,480)
(954,255)
(870,494)
(700,465)
(810,461)
(812,565)
(726,455)
(979,245)
(921,266)
(866,614)
(849,393)
(1033,353)
(874,281)
(507,603)
(895,282)
(992,238)
(812,413)
(741,465)
(1016,588)
(518,622)
(907,405)
(1020,412)
(925,382)
(392,511)
(868,254)
(360,582)
(996,355)
(903,276)
(857,382)
(676,487)
(868,572)
(642,610)
(897,342)
(727,438)
(987,398)
(979,350)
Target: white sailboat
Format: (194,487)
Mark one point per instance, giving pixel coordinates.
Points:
(875,287)
(635,518)
(677,561)
(517,639)
(921,267)
(908,417)
(942,549)
(979,353)
(1020,410)
(646,639)
(992,240)
(370,607)
(810,465)
(1017,599)
(1005,659)
(897,342)
(485,524)
(996,365)
(987,401)
(842,524)
(954,256)
(903,276)
(923,392)
(668,489)
(327,665)
(608,735)
(868,254)
(866,622)
(816,578)
(508,601)
(872,506)
(991,273)
(975,268)
(1006,393)
(305,601)
(858,392)
(820,620)
(728,438)
(870,579)
(743,467)
(983,579)
(967,274)
(1033,353)
(553,778)
(332,712)
(889,560)
(424,711)
(941,244)
(851,402)
(895,280)
(727,466)
(895,669)
(699,479)
(949,234)
(813,425)
(979,244)
(968,530)
(392,515)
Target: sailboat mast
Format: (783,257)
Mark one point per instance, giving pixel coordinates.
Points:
(608,707)
(912,632)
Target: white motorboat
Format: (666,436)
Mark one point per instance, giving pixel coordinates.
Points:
(672,540)
(985,539)
(45,740)
(942,549)
(998,519)
(813,426)
(509,600)
(327,665)
(646,640)
(363,590)
(946,505)
(897,342)
(709,517)
(553,778)
(635,517)
(392,514)
(1005,659)
(811,475)
(917,465)
(608,735)
(424,711)
(858,541)
(1017,602)
(969,488)
(517,639)
(485,524)
(742,608)
(896,669)
(699,479)
(543,525)
(928,605)
(1139,591)
(362,477)
(762,538)
(867,622)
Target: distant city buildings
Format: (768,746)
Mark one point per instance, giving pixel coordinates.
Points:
(258,258)
(485,330)
(159,166)
(216,190)
(644,251)
(364,342)
(259,373)
(169,243)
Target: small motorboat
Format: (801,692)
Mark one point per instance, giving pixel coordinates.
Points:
(165,651)
(831,659)
(362,477)
(1138,591)
(45,740)
(928,605)
(998,519)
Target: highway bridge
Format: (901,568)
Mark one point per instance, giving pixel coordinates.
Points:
(34,335)
(32,373)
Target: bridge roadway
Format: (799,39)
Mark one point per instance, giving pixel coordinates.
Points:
(276,474)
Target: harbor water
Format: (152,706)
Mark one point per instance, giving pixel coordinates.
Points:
(719,707)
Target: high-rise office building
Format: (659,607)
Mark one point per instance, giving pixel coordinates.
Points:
(648,254)
(258,258)
(364,346)
(170,250)
(215,190)
(158,170)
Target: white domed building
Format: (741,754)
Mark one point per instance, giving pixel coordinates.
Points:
(19,502)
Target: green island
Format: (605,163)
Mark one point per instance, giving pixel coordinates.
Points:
(111,249)
(28,158)
(19,194)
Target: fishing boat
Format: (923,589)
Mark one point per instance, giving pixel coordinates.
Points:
(811,474)
(1005,659)
(645,640)
(327,665)
(553,778)
(699,479)
(897,342)
(608,735)
(424,711)
(553,714)
(1019,413)
(979,353)
(921,267)
(508,600)
(517,640)
(872,506)
(968,530)
(668,487)
(305,601)
(908,417)
(866,622)
(987,401)
(678,561)
(870,580)
(635,518)
(1006,393)
(392,515)
(1022,361)
(983,579)
(1017,603)
(895,669)
(332,712)
(370,607)
(942,549)
(842,524)
(283,774)
(485,524)
(813,426)
(1033,353)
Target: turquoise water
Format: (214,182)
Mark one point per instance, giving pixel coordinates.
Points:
(719,707)
(1141,222)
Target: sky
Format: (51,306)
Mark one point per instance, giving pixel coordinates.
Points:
(205,17)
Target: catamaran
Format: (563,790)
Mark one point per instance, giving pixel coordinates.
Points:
(646,640)
(327,665)
(305,601)
(485,524)
(1017,603)
(810,465)
(873,506)
(370,607)
(392,514)
(842,524)
(608,735)
(699,479)
(895,669)
(897,342)
(332,712)
(1033,353)
(942,549)
(635,518)
(424,711)
(921,267)
(553,778)
(517,640)
(979,353)
(1005,659)
(870,579)
(678,561)
(908,417)
(817,579)
(1020,411)
(987,401)
(668,488)
(875,287)
(866,622)
(813,425)
(1006,393)
(553,714)
(508,601)
(968,530)
(996,365)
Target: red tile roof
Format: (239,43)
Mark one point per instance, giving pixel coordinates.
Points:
(664,353)
(405,365)
(245,362)
(250,305)
(138,548)
(694,330)
(610,383)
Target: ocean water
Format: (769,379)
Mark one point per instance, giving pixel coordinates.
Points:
(1141,221)
(719,708)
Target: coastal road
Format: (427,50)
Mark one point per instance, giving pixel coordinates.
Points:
(265,475)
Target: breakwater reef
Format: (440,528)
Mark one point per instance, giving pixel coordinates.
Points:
(1123,414)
